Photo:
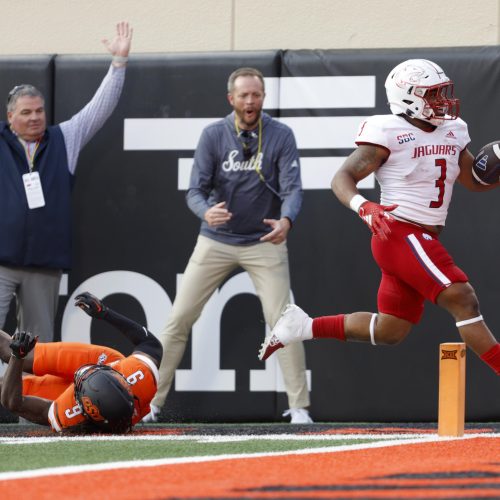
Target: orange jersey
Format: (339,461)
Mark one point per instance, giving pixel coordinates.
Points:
(140,372)
(55,364)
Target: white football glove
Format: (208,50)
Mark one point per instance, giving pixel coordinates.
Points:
(152,416)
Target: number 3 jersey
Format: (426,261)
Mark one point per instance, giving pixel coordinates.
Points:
(55,364)
(422,167)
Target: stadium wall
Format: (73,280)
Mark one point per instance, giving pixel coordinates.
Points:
(134,233)
(76,26)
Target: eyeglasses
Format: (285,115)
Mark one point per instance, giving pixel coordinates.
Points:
(16,90)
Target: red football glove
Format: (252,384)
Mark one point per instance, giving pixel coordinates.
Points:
(376,217)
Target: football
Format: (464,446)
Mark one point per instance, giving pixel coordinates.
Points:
(486,165)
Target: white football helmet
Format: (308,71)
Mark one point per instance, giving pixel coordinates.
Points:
(420,89)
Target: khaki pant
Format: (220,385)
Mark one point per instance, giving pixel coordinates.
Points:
(209,265)
(37,298)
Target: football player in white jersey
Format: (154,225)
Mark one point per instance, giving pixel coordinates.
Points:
(416,153)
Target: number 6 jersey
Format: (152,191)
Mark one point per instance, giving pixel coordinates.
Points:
(422,167)
(140,372)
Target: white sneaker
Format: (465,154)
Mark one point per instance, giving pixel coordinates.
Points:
(152,416)
(293,326)
(298,416)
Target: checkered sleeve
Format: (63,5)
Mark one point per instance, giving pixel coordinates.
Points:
(81,127)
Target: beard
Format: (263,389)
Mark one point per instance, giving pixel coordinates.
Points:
(249,121)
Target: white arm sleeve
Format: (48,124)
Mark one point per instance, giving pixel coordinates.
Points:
(80,128)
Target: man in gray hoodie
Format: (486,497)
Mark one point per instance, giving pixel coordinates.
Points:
(245,187)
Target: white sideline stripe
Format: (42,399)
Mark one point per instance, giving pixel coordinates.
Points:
(216,438)
(427,261)
(50,471)
(179,134)
(316,172)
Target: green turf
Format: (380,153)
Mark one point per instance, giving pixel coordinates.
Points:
(53,454)
(152,441)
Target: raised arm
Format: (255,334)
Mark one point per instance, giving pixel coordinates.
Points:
(144,341)
(82,126)
(119,46)
(31,408)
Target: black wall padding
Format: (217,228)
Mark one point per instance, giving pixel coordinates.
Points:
(130,216)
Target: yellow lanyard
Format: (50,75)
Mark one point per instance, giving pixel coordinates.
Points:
(259,147)
(30,151)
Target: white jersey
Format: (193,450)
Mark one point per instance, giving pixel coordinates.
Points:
(422,166)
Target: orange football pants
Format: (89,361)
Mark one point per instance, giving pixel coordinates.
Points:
(55,363)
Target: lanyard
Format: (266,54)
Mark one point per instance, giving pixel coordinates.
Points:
(259,147)
(30,148)
(258,169)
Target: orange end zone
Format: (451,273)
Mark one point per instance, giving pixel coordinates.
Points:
(468,468)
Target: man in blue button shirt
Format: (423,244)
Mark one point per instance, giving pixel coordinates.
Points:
(37,167)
